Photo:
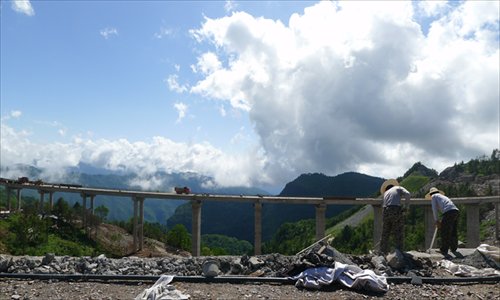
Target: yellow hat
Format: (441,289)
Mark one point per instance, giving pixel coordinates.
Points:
(386,183)
(433,190)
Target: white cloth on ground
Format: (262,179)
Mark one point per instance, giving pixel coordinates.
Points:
(349,275)
(161,290)
(466,270)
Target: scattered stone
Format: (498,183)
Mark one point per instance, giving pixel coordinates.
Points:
(271,265)
(48,258)
(5,263)
(255,263)
(396,260)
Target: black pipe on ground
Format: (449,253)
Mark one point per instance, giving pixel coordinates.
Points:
(231,279)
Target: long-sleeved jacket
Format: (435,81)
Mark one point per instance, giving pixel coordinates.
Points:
(393,196)
(441,203)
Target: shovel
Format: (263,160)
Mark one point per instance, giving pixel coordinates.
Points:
(433,239)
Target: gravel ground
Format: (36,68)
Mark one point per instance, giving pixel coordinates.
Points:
(34,289)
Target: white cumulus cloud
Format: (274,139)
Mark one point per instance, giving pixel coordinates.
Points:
(23,7)
(342,86)
(173,84)
(359,86)
(108,32)
(15,113)
(181,110)
(163,32)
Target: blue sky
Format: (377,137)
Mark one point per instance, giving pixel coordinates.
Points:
(248,92)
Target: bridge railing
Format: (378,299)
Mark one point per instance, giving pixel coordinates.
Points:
(320,204)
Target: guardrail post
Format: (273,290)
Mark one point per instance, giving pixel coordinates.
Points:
(258,228)
(320,221)
(196,227)
(429,226)
(472,225)
(377,226)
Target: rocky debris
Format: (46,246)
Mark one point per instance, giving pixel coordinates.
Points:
(320,255)
(477,260)
(101,264)
(272,265)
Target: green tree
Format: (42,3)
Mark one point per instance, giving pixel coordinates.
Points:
(179,237)
(356,240)
(101,212)
(62,210)
(225,245)
(27,231)
(291,237)
(156,231)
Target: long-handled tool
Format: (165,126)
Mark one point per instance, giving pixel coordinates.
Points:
(433,239)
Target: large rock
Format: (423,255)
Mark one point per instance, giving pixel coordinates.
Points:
(48,258)
(396,260)
(5,263)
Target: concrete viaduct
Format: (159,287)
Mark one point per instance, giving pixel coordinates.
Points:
(320,204)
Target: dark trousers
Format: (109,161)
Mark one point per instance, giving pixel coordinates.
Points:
(449,237)
(392,226)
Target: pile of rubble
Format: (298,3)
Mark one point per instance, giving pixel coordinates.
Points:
(272,265)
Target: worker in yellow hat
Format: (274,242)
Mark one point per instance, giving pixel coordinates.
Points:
(392,216)
(449,221)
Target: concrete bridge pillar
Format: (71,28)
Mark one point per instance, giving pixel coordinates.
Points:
(51,200)
(472,225)
(134,224)
(40,204)
(320,221)
(377,226)
(7,205)
(19,200)
(91,210)
(196,227)
(84,211)
(140,226)
(258,228)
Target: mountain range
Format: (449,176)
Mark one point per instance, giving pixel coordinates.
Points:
(121,208)
(226,218)
(237,219)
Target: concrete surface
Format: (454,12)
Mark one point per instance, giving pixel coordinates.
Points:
(436,255)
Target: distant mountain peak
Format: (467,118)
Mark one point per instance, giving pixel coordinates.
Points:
(349,184)
(419,169)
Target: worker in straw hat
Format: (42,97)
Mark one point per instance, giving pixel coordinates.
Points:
(448,224)
(392,217)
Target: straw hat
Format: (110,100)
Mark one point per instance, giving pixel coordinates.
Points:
(433,190)
(386,183)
